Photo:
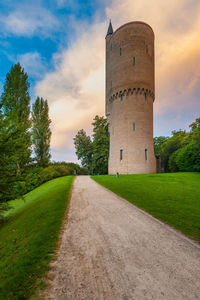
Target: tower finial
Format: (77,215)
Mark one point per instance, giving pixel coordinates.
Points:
(110,28)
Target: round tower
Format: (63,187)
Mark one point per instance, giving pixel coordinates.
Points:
(130,93)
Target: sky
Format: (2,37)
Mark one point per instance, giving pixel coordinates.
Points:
(61,45)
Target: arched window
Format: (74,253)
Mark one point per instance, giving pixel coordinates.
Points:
(134,60)
(133,126)
(120,51)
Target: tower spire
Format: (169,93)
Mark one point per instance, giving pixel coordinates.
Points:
(110,29)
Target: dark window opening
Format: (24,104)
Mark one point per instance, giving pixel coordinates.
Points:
(108,127)
(122,97)
(133,126)
(145,154)
(134,60)
(121,154)
(120,51)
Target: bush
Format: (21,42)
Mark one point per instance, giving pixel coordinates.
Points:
(188,158)
(32,179)
(35,176)
(172,162)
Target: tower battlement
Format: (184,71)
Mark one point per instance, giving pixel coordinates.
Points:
(130,93)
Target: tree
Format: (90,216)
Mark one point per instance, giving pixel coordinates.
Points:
(100,145)
(175,142)
(158,143)
(9,146)
(84,149)
(15,104)
(94,153)
(195,131)
(41,132)
(187,158)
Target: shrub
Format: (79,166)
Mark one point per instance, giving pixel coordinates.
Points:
(35,176)
(188,158)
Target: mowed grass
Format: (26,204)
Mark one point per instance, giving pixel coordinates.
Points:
(29,237)
(173,198)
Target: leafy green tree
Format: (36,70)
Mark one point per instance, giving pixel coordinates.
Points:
(15,104)
(94,153)
(84,149)
(41,132)
(175,142)
(187,158)
(158,143)
(100,145)
(195,131)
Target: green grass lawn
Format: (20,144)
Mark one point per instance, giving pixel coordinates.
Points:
(29,237)
(173,198)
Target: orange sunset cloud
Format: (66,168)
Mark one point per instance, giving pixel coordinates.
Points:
(75,90)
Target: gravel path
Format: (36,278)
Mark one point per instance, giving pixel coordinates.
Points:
(111,250)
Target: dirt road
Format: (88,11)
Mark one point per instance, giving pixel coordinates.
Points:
(111,250)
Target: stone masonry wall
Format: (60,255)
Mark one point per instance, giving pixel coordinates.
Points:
(130,92)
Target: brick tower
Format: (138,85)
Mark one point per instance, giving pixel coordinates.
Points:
(130,93)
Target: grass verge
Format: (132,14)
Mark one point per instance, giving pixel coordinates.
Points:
(29,237)
(173,198)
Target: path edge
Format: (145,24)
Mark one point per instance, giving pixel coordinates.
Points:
(167,226)
(42,294)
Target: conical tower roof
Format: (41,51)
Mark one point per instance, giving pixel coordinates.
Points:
(110,29)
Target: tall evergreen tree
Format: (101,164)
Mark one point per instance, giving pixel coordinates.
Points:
(41,132)
(9,146)
(15,104)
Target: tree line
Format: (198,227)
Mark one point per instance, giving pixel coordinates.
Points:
(25,140)
(24,134)
(180,152)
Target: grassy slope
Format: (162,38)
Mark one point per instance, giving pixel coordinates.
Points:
(30,236)
(173,198)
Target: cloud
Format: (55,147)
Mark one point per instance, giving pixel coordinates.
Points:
(28,20)
(33,63)
(68,3)
(75,89)
(64,155)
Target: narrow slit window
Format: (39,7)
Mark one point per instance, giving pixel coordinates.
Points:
(133,126)
(145,151)
(120,51)
(122,97)
(121,154)
(134,60)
